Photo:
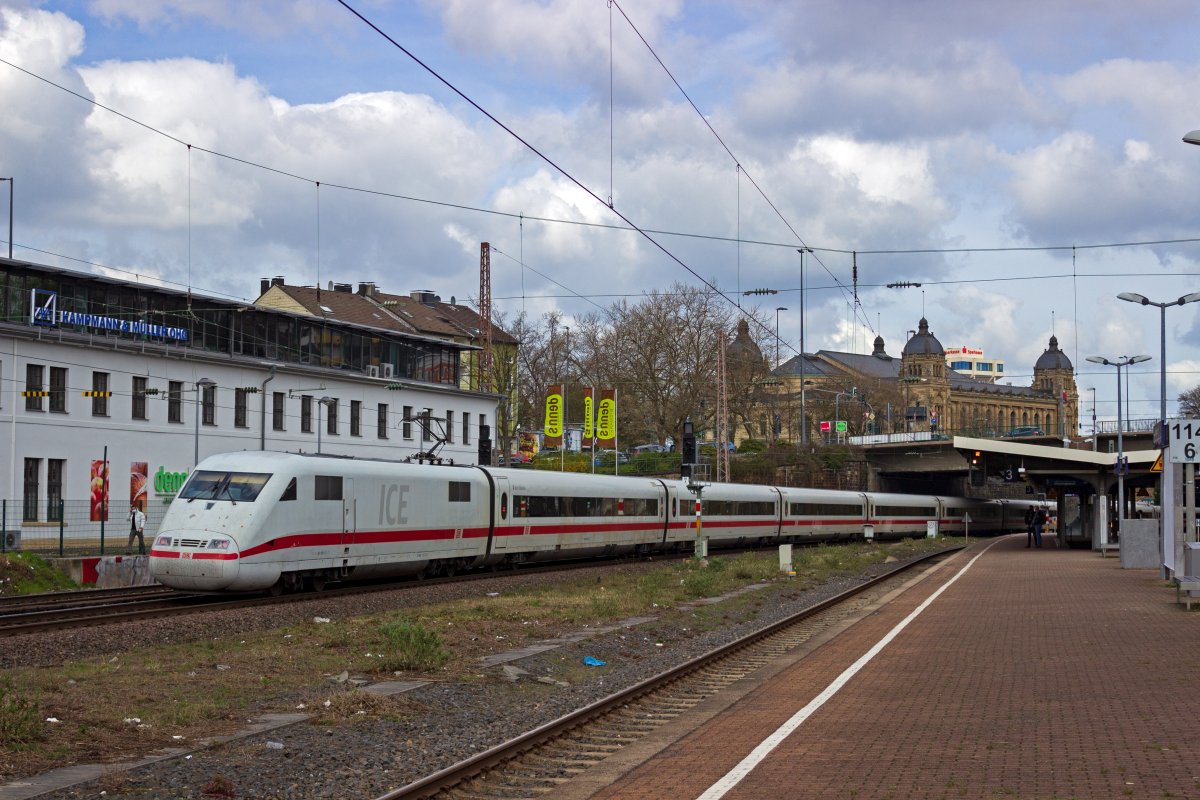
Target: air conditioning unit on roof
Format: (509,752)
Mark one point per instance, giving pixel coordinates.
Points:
(372,371)
(389,370)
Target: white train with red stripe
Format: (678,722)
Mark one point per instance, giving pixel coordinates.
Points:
(251,521)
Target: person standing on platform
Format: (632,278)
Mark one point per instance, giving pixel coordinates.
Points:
(1039,520)
(137,525)
(1030,514)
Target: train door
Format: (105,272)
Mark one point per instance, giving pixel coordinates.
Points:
(349,515)
(501,513)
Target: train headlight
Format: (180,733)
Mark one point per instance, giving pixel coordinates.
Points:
(219,544)
(163,541)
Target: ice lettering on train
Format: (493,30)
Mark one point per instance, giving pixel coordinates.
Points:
(393,504)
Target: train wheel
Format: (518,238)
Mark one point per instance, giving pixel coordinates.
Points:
(317,582)
(276,588)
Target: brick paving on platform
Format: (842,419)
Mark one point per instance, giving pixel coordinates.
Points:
(1040,673)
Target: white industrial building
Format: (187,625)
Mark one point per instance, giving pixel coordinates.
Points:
(154,379)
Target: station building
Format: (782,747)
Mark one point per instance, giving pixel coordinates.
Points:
(154,379)
(926,394)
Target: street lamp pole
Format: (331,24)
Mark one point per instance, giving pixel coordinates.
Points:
(1134,297)
(803,408)
(1123,361)
(1095,439)
(777,310)
(201,385)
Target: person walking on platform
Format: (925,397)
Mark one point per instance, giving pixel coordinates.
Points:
(1039,520)
(1030,514)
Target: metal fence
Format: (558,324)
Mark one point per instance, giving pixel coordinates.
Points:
(71,528)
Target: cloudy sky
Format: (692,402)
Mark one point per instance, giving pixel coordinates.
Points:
(993,152)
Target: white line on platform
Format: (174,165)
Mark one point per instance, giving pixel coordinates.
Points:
(735,775)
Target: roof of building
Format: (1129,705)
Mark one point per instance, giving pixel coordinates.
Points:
(1053,358)
(812,367)
(923,342)
(339,305)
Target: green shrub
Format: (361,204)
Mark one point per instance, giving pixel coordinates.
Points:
(19,719)
(412,647)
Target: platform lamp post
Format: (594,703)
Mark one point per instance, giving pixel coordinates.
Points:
(1160,436)
(202,386)
(803,409)
(324,402)
(1123,361)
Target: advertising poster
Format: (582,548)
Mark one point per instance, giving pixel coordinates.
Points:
(139,475)
(606,418)
(589,432)
(99,491)
(554,416)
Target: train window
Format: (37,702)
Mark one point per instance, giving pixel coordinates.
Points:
(641,507)
(825,510)
(905,511)
(237,487)
(460,492)
(329,487)
(738,508)
(290,492)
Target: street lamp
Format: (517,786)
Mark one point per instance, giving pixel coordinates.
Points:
(201,386)
(803,410)
(1134,297)
(777,310)
(326,402)
(1123,361)
(1193,137)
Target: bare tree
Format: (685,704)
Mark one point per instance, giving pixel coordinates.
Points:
(1189,402)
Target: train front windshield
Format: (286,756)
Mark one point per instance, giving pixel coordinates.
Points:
(237,487)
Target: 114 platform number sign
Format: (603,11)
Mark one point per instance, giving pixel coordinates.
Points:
(1184,435)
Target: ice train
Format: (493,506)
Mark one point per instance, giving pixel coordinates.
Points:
(253,521)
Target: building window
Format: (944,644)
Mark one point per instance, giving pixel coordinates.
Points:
(208,399)
(466,427)
(240,412)
(331,419)
(174,401)
(306,425)
(33,387)
(100,394)
(427,425)
(277,405)
(58,390)
(55,467)
(33,466)
(139,397)
(406,425)
(449,427)
(356,418)
(381,421)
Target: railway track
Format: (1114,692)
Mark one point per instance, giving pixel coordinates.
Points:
(543,759)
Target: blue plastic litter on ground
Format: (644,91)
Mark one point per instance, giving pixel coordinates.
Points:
(593,662)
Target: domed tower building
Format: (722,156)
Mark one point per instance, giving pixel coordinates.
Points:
(1054,376)
(924,380)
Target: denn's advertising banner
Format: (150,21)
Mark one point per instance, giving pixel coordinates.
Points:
(554,415)
(606,418)
(589,429)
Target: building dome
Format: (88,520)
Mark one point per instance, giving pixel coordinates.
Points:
(743,349)
(1053,358)
(924,342)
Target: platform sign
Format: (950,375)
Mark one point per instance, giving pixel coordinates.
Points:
(1184,444)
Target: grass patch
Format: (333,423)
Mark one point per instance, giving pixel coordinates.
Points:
(19,722)
(26,573)
(411,646)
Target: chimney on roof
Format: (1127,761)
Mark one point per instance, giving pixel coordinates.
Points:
(263,285)
(425,297)
(278,281)
(366,289)
(343,287)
